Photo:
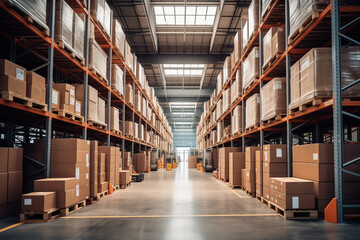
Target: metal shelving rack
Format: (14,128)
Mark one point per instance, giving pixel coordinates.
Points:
(302,126)
(46,124)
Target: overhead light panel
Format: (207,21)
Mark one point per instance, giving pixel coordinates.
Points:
(183,69)
(195,15)
(183,113)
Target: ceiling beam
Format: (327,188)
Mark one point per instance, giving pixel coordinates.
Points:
(181,58)
(182,99)
(216,24)
(182,119)
(172,92)
(187,3)
(150,18)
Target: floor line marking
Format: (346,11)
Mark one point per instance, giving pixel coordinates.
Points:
(175,216)
(238,194)
(12,226)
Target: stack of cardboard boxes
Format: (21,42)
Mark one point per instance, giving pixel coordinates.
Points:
(103,185)
(124,177)
(273,99)
(140,163)
(192,160)
(12,78)
(70,158)
(11,176)
(224,161)
(111,164)
(92,104)
(259,172)
(67,96)
(274,43)
(94,169)
(252,111)
(274,165)
(127,161)
(292,193)
(236,120)
(35,87)
(236,163)
(250,184)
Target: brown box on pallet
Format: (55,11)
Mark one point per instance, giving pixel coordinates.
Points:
(266,192)
(11,69)
(192,161)
(13,85)
(224,161)
(101,110)
(101,177)
(315,172)
(92,100)
(103,186)
(55,101)
(267,176)
(67,198)
(114,118)
(252,111)
(275,167)
(250,157)
(291,185)
(293,201)
(128,129)
(35,87)
(251,64)
(67,96)
(295,82)
(250,175)
(55,184)
(269,50)
(259,167)
(278,43)
(3,187)
(15,160)
(237,46)
(259,190)
(129,93)
(94,156)
(84,180)
(68,156)
(70,144)
(38,201)
(4,152)
(314,153)
(236,163)
(84,193)
(68,170)
(78,107)
(273,99)
(15,181)
(124,176)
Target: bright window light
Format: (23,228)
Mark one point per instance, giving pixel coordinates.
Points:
(183,113)
(183,69)
(183,103)
(183,123)
(194,15)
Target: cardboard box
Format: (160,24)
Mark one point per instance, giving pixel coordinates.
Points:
(236,87)
(236,163)
(35,87)
(101,177)
(252,111)
(278,43)
(275,167)
(314,153)
(124,176)
(92,100)
(78,107)
(291,185)
(250,157)
(70,144)
(192,160)
(38,201)
(224,161)
(103,186)
(128,129)
(55,184)
(15,181)
(15,160)
(101,110)
(129,93)
(237,46)
(11,69)
(114,119)
(274,153)
(251,64)
(295,82)
(3,187)
(315,172)
(259,190)
(67,96)
(4,152)
(61,156)
(259,168)
(68,170)
(68,198)
(84,193)
(266,192)
(294,201)
(13,85)
(273,99)
(55,101)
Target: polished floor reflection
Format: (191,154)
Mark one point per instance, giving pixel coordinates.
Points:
(182,204)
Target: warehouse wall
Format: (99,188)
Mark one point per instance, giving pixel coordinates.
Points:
(184,137)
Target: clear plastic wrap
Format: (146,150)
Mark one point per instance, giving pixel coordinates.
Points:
(219,109)
(253,14)
(302,10)
(114,119)
(273,98)
(265,5)
(138,100)
(226,69)
(107,19)
(219,82)
(236,120)
(295,82)
(251,68)
(220,131)
(78,35)
(97,58)
(226,99)
(129,93)
(118,37)
(237,46)
(252,110)
(144,106)
(117,79)
(315,74)
(36,9)
(63,23)
(245,35)
(136,130)
(101,110)
(129,58)
(98,10)
(236,87)
(269,52)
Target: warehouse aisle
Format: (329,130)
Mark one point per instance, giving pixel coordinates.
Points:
(182,204)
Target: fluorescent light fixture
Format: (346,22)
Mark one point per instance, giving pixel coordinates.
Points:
(183,113)
(183,123)
(183,103)
(183,69)
(195,15)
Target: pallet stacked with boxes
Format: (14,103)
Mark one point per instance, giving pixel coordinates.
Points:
(224,161)
(250,184)
(236,163)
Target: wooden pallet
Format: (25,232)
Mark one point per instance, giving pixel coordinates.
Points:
(27,102)
(71,52)
(294,214)
(113,88)
(234,186)
(250,193)
(271,62)
(122,186)
(224,180)
(273,119)
(238,133)
(67,114)
(39,217)
(270,6)
(306,104)
(253,127)
(115,131)
(314,15)
(128,136)
(252,82)
(117,187)
(97,124)
(66,211)
(96,73)
(262,200)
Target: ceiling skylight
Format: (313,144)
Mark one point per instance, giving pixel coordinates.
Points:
(183,69)
(191,16)
(183,113)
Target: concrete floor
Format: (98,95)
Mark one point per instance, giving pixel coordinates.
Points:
(182,204)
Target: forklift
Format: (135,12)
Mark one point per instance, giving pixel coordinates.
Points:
(207,160)
(154,160)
